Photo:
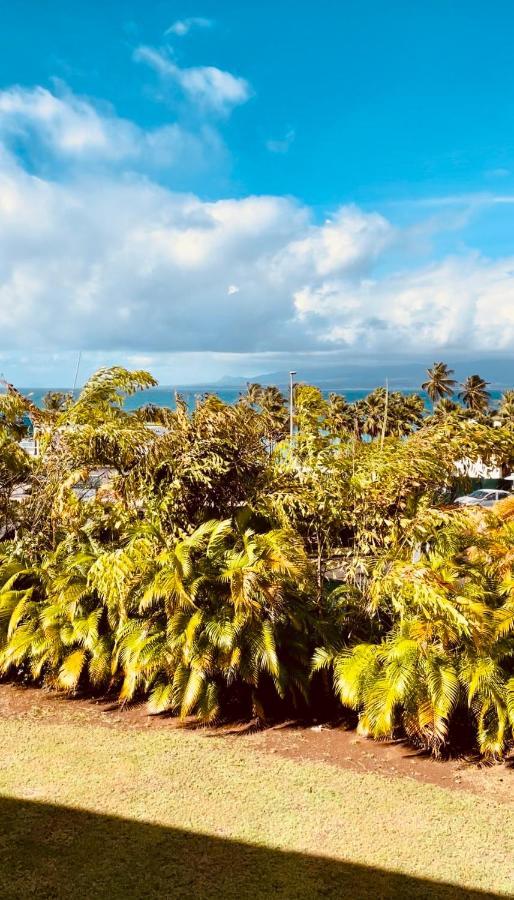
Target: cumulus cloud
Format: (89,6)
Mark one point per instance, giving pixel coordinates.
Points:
(110,263)
(464,303)
(74,132)
(183,26)
(349,241)
(210,88)
(111,260)
(68,124)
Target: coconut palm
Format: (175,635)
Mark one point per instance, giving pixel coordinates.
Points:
(440,382)
(404,413)
(506,407)
(340,415)
(253,394)
(57,401)
(444,409)
(474,394)
(372,412)
(273,408)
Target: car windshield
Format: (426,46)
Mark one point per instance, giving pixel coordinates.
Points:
(480,495)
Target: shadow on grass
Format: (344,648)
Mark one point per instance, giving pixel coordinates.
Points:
(57,852)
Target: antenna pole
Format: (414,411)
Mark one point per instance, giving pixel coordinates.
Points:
(291,405)
(77,372)
(386,410)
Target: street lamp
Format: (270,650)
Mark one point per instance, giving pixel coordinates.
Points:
(291,405)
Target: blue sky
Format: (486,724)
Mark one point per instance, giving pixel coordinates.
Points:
(223,187)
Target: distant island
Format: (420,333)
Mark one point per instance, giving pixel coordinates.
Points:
(363,376)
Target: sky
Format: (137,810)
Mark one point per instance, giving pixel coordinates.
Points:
(209,188)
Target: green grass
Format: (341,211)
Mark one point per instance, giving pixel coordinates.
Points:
(106,812)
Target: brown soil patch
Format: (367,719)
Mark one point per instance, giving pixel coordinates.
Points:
(331,745)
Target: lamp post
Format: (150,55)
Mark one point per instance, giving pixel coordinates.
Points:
(291,405)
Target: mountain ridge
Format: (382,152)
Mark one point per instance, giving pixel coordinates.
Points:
(499,373)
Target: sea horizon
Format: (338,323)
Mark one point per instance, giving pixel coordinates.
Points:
(164,395)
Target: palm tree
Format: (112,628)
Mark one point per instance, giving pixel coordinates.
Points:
(372,411)
(215,611)
(439,383)
(445,409)
(474,394)
(273,408)
(340,415)
(253,394)
(506,407)
(55,624)
(445,649)
(272,400)
(405,413)
(57,401)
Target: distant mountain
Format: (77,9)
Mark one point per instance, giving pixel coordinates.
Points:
(401,376)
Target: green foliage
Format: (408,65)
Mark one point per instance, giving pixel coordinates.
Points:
(447,646)
(57,401)
(221,566)
(474,394)
(440,383)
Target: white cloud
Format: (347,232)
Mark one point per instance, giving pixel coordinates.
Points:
(141,360)
(68,124)
(350,240)
(76,132)
(465,303)
(103,263)
(183,26)
(109,261)
(210,88)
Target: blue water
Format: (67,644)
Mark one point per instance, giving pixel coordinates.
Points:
(165,396)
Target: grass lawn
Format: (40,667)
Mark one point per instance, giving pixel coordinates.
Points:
(91,811)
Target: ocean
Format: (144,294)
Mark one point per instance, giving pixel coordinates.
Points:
(165,395)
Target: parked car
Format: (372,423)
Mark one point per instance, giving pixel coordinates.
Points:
(483,497)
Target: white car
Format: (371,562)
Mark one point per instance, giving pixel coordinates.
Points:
(483,497)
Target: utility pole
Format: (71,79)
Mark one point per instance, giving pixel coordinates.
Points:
(291,405)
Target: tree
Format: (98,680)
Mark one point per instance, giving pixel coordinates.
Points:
(192,623)
(271,404)
(372,412)
(506,408)
(57,401)
(443,651)
(340,416)
(444,409)
(204,578)
(389,413)
(310,411)
(253,394)
(223,617)
(440,382)
(273,407)
(207,464)
(474,394)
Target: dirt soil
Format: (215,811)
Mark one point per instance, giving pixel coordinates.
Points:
(325,743)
